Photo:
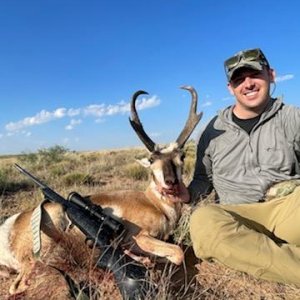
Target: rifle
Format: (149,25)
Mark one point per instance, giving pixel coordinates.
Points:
(100,228)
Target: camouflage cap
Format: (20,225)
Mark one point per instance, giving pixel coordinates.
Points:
(252,59)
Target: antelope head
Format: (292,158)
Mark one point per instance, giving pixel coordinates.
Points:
(166,163)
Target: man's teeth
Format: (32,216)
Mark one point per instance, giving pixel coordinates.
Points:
(251,93)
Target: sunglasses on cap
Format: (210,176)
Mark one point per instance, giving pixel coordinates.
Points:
(247,56)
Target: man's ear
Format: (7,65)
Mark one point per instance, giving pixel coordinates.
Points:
(272,75)
(230,88)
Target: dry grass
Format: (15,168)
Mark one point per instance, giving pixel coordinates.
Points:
(87,173)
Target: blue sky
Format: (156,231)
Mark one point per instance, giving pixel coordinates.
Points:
(68,68)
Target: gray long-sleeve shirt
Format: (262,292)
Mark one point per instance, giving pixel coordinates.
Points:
(241,166)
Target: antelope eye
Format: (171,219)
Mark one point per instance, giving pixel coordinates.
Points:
(151,160)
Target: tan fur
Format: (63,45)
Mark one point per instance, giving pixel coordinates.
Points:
(148,217)
(62,249)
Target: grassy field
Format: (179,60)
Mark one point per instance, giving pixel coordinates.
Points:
(88,172)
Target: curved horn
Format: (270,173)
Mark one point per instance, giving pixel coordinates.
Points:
(137,125)
(192,120)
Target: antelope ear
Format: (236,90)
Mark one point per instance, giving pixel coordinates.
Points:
(144,162)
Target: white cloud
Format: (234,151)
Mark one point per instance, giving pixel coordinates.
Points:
(40,118)
(73,123)
(93,110)
(284,77)
(59,113)
(144,103)
(121,108)
(72,112)
(206,104)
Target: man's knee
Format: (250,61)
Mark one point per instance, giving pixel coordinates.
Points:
(205,228)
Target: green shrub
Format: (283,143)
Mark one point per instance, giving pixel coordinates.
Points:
(57,170)
(8,185)
(53,154)
(29,158)
(44,157)
(3,181)
(136,172)
(77,179)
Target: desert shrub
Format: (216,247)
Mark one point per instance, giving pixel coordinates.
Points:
(53,154)
(10,185)
(44,157)
(136,172)
(3,181)
(70,164)
(110,163)
(89,157)
(181,233)
(120,158)
(57,170)
(77,179)
(188,167)
(29,158)
(190,159)
(190,148)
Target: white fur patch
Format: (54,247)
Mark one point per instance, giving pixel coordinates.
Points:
(6,255)
(170,148)
(159,175)
(144,162)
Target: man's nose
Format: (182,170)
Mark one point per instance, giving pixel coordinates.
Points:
(248,81)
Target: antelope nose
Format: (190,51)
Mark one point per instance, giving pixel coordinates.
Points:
(171,181)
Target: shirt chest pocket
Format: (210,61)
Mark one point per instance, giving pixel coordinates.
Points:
(275,151)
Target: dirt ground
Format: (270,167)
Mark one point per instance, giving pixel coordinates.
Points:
(194,280)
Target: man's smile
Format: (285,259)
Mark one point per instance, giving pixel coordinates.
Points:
(251,94)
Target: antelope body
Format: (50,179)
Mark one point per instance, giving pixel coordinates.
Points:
(149,216)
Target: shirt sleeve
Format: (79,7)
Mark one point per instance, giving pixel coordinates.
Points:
(291,123)
(201,184)
(293,127)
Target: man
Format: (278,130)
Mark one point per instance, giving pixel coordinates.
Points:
(241,153)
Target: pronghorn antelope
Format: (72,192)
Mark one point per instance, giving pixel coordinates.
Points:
(149,216)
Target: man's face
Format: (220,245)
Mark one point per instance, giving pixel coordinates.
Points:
(251,89)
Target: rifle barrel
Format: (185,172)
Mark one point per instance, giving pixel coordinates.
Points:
(38,182)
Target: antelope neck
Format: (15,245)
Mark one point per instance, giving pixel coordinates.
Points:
(155,197)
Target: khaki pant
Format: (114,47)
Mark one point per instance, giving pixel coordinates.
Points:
(262,239)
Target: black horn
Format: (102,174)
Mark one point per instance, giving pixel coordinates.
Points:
(137,125)
(192,120)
